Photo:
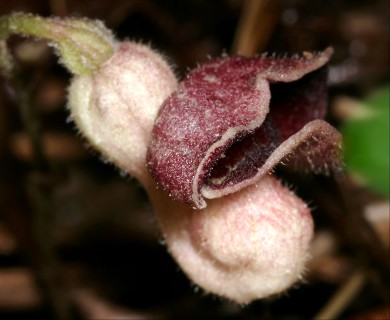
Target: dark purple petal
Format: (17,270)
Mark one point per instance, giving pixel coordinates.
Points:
(233,119)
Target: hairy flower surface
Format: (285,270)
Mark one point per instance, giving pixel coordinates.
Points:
(233,119)
(245,246)
(249,244)
(115,107)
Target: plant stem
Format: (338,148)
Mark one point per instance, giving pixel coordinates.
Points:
(39,188)
(83,45)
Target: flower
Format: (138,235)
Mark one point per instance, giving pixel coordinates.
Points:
(246,245)
(218,136)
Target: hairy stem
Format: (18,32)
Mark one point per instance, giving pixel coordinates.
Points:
(82,44)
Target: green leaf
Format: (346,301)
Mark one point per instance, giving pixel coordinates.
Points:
(366,143)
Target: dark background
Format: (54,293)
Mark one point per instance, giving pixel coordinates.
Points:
(79,240)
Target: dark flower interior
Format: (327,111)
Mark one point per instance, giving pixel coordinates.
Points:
(292,106)
(216,133)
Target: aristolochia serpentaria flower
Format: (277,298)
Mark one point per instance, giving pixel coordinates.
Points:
(221,132)
(217,136)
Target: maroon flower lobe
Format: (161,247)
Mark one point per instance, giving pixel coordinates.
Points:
(233,119)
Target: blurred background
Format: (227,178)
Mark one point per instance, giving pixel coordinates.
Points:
(78,240)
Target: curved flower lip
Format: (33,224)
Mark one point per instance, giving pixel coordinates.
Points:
(233,119)
(318,144)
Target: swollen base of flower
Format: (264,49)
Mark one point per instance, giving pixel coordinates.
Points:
(115,107)
(245,246)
